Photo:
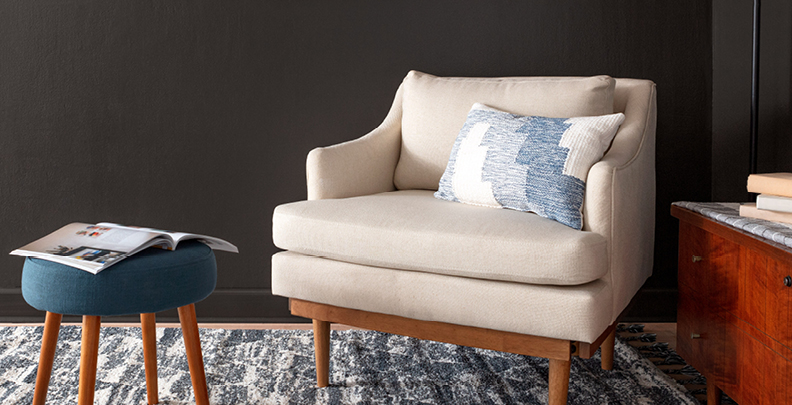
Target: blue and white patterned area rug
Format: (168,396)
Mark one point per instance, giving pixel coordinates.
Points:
(277,367)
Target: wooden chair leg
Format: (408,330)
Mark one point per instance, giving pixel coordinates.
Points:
(148,326)
(89,351)
(48,344)
(713,393)
(321,330)
(192,344)
(559,381)
(606,350)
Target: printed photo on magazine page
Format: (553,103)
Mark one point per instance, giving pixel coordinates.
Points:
(94,248)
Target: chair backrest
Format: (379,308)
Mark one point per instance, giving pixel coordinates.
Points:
(620,189)
(435,108)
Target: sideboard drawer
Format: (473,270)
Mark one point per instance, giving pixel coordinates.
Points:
(710,266)
(694,330)
(778,302)
(693,243)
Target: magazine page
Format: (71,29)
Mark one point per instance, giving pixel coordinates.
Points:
(89,247)
(212,242)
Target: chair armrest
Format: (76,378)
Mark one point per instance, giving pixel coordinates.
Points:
(620,197)
(358,167)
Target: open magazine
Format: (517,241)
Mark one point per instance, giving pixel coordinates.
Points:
(94,248)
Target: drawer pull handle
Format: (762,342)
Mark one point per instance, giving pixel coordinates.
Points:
(695,336)
(697,258)
(788,281)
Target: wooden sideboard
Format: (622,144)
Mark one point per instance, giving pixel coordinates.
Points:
(734,310)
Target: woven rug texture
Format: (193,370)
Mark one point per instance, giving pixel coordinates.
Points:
(277,367)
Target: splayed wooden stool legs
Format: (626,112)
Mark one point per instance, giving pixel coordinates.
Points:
(148,328)
(89,353)
(192,344)
(48,344)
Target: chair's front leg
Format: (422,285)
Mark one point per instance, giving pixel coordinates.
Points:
(559,381)
(89,351)
(148,327)
(321,330)
(606,350)
(192,344)
(48,344)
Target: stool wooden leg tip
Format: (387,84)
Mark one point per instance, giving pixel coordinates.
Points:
(148,327)
(192,344)
(89,352)
(48,344)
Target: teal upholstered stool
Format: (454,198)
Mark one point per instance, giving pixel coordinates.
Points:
(151,281)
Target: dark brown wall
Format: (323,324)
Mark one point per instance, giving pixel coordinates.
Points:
(197,115)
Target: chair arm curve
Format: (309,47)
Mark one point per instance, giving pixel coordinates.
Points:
(358,167)
(620,200)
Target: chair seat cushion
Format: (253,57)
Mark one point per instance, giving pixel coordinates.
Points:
(150,281)
(412,230)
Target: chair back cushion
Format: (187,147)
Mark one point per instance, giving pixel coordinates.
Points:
(435,108)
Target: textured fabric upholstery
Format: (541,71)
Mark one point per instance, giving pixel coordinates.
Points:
(618,207)
(570,312)
(434,109)
(526,163)
(620,192)
(412,230)
(150,281)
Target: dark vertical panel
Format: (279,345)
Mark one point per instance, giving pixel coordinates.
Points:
(731,43)
(731,98)
(776,98)
(198,115)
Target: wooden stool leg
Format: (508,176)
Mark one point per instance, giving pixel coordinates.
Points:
(192,343)
(89,351)
(321,330)
(713,393)
(148,326)
(606,351)
(559,381)
(48,344)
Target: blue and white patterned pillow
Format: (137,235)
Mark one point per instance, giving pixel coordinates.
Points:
(526,163)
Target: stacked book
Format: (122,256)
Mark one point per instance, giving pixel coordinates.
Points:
(774,202)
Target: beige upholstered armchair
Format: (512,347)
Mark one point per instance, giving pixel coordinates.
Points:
(373,248)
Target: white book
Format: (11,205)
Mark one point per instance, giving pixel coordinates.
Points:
(773,203)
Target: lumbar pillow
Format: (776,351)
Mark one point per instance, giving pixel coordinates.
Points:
(526,163)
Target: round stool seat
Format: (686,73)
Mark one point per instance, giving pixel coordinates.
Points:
(150,281)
